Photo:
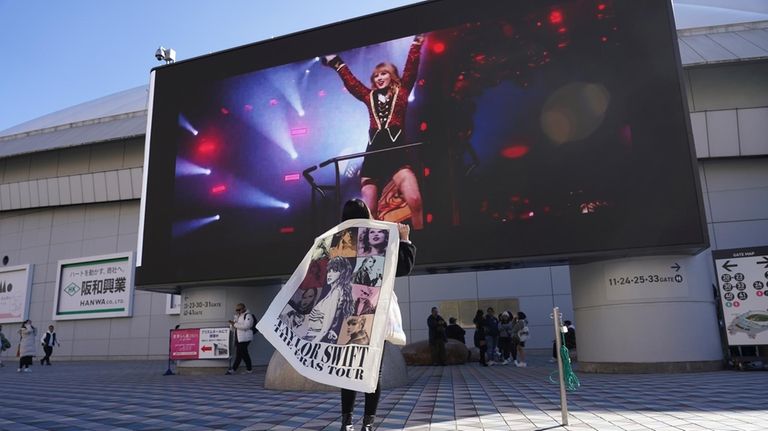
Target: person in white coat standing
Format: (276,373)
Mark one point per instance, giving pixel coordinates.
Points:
(27,345)
(242,323)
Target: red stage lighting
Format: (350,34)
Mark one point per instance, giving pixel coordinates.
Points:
(206,147)
(429,217)
(556,17)
(562,30)
(601,6)
(287,229)
(299,131)
(291,177)
(225,111)
(423,126)
(515,151)
(272,102)
(604,39)
(219,189)
(438,47)
(427,171)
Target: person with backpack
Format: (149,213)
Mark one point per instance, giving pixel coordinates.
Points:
(244,326)
(520,334)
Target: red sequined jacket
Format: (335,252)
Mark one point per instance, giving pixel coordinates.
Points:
(366,95)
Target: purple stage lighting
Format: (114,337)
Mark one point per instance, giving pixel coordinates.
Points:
(184,227)
(184,123)
(185,167)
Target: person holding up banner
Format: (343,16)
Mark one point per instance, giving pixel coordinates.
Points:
(357,209)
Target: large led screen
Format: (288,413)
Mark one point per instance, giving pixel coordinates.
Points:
(501,131)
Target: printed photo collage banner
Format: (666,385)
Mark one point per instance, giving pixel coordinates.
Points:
(330,319)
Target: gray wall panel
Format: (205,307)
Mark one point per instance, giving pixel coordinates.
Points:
(722,133)
(44,165)
(5,197)
(16,169)
(106,157)
(42,191)
(24,193)
(65,194)
(134,154)
(99,186)
(99,246)
(699,130)
(113,187)
(76,189)
(88,190)
(53,191)
(34,194)
(753,131)
(73,161)
(730,86)
(124,184)
(15,198)
(136,180)
(738,205)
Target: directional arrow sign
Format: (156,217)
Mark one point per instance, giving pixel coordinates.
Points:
(763,262)
(676,267)
(206,348)
(728,265)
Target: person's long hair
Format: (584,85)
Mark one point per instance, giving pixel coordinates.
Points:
(479,318)
(394,76)
(343,267)
(355,209)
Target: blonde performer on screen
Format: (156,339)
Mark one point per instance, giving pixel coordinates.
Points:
(357,209)
(387,103)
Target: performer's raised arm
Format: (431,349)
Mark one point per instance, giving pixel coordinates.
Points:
(411,69)
(355,87)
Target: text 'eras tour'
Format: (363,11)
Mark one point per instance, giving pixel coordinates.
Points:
(343,361)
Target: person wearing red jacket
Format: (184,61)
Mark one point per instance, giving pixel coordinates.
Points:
(387,102)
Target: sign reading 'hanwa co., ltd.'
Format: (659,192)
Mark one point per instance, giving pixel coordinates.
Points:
(94,287)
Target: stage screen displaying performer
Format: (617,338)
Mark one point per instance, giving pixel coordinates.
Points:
(500,131)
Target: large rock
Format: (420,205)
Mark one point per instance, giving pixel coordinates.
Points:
(282,376)
(419,353)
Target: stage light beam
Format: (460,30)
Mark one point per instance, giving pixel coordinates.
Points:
(186,125)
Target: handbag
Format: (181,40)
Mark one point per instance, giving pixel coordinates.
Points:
(395,333)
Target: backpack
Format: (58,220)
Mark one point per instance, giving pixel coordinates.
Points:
(524,333)
(255,321)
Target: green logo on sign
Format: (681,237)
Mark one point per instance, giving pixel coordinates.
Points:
(72,289)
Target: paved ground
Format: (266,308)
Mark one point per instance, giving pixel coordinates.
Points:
(136,396)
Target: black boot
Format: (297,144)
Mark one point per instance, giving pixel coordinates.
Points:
(368,422)
(346,422)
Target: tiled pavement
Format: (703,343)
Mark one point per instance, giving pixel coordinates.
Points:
(136,396)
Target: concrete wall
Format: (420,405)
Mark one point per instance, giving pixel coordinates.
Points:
(43,237)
